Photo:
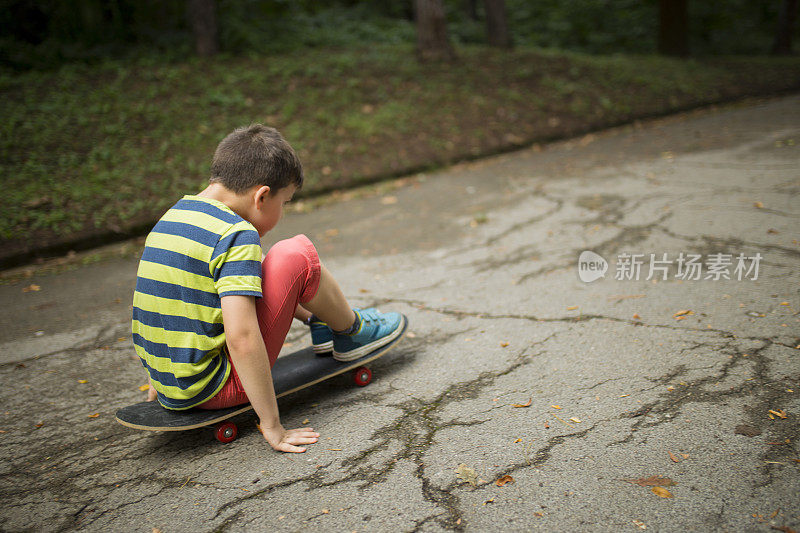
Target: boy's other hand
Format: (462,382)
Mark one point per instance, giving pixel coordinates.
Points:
(151,392)
(283,440)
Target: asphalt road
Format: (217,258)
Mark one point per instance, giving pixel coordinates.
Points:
(515,367)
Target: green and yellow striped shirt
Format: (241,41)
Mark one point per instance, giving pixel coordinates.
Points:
(197,253)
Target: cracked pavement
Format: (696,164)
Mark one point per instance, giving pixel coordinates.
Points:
(482,257)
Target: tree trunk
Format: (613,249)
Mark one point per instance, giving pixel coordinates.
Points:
(786,19)
(432,42)
(673,27)
(203,21)
(472,9)
(497,24)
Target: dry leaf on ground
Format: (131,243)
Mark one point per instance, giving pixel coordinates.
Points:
(527,404)
(661,491)
(32,288)
(503,480)
(672,456)
(467,474)
(144,387)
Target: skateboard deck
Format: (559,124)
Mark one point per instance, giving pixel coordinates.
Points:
(291,373)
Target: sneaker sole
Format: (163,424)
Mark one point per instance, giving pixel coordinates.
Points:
(371,347)
(325,347)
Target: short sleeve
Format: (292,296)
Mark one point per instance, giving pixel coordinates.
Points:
(236,262)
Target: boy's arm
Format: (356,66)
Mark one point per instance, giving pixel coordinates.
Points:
(249,355)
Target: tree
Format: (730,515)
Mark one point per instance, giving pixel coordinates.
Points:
(203,21)
(497,24)
(783,38)
(432,41)
(673,27)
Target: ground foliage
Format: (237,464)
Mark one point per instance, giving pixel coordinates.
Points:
(88,150)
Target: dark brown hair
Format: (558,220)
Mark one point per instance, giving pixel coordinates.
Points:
(255,155)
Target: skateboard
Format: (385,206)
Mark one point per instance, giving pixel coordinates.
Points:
(291,373)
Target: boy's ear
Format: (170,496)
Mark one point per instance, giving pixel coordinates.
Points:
(261,194)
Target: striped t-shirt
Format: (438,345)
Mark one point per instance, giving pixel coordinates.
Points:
(197,253)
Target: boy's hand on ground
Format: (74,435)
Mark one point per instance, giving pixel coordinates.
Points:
(284,440)
(151,391)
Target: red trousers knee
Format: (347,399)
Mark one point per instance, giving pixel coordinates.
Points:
(290,275)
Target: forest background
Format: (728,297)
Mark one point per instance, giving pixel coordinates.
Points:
(112,109)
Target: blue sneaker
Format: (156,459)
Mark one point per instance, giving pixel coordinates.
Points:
(321,338)
(377,329)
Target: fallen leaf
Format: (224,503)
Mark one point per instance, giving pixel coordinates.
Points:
(326,511)
(624,395)
(526,404)
(683,312)
(333,232)
(83,381)
(546,425)
(306,421)
(518,440)
(779,413)
(556,406)
(335,449)
(491,500)
(94,415)
(652,481)
(32,288)
(564,421)
(685,455)
(467,474)
(40,424)
(144,387)
(389,200)
(503,480)
(661,491)
(503,344)
(785,529)
(537,514)
(572,307)
(576,420)
(636,316)
(672,456)
(758,205)
(640,524)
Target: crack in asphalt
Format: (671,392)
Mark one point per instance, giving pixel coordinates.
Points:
(415,430)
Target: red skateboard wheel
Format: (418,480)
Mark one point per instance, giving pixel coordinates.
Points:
(362,376)
(226,432)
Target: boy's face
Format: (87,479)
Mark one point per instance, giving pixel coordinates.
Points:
(269,208)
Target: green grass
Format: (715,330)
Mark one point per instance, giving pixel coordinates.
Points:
(88,149)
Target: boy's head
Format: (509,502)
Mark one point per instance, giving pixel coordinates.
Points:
(255,155)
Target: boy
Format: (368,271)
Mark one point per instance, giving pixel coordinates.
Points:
(210,312)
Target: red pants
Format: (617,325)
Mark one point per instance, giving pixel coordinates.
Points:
(289,276)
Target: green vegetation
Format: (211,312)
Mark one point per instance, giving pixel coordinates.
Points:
(39,35)
(96,149)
